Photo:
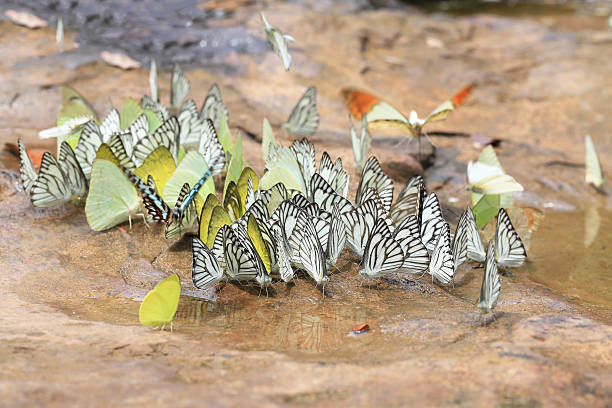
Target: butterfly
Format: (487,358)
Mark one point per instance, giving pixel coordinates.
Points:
(191,125)
(57,182)
(166,135)
(153,81)
(325,196)
(491,285)
(261,249)
(487,177)
(242,260)
(213,107)
(179,87)
(360,223)
(337,236)
(278,41)
(509,249)
(442,264)
(160,304)
(382,254)
(475,249)
(211,148)
(362,144)
(112,198)
(408,200)
(205,271)
(334,174)
(304,118)
(593,173)
(308,253)
(407,235)
(432,221)
(380,114)
(283,253)
(372,176)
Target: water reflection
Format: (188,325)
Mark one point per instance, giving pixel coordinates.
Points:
(312,329)
(571,255)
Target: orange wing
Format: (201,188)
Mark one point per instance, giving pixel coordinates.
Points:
(359,102)
(461,96)
(35,155)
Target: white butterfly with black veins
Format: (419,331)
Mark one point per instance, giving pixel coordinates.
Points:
(431,221)
(475,248)
(278,41)
(361,144)
(308,253)
(57,182)
(509,249)
(166,135)
(407,201)
(304,118)
(334,174)
(407,235)
(325,196)
(491,285)
(179,88)
(210,147)
(205,271)
(337,236)
(360,223)
(213,107)
(240,257)
(26,169)
(442,264)
(190,124)
(283,254)
(372,176)
(382,254)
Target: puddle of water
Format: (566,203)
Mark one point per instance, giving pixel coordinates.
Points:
(571,255)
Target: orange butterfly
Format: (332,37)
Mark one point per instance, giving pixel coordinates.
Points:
(381,115)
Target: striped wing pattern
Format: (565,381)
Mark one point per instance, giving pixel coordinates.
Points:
(205,271)
(491,284)
(509,249)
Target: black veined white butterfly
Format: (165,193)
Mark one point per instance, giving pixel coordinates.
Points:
(407,235)
(278,41)
(57,182)
(304,118)
(459,244)
(509,249)
(334,174)
(26,169)
(382,254)
(361,144)
(90,140)
(242,264)
(179,87)
(337,236)
(166,135)
(442,264)
(372,176)
(307,250)
(431,221)
(205,271)
(190,124)
(213,107)
(210,147)
(325,196)
(475,249)
(360,223)
(491,285)
(408,200)
(283,253)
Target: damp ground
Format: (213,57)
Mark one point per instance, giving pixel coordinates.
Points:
(70,297)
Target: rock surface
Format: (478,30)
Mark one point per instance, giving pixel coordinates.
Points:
(70,332)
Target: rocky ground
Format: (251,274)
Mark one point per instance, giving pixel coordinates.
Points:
(70,332)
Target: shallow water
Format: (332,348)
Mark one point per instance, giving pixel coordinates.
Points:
(571,255)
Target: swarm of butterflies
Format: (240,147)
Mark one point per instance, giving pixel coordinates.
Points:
(265,234)
(157,161)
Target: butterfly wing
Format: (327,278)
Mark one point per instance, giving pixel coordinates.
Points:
(593,172)
(407,235)
(442,264)
(50,188)
(211,148)
(213,107)
(509,248)
(73,174)
(475,249)
(304,118)
(179,87)
(26,169)
(160,304)
(491,284)
(205,271)
(432,221)
(382,254)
